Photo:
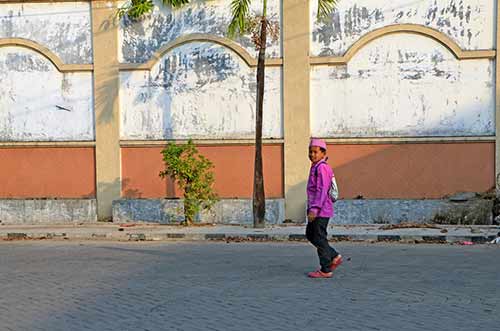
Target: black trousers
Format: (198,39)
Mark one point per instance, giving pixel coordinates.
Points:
(317,235)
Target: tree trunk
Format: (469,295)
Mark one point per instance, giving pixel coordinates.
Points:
(259,198)
(188,216)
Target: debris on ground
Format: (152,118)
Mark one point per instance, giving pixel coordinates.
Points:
(127,225)
(466,243)
(462,196)
(205,225)
(496,240)
(408,225)
(474,211)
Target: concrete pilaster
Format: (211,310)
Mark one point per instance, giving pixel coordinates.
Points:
(107,117)
(296,104)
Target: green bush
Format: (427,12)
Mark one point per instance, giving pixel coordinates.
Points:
(194,174)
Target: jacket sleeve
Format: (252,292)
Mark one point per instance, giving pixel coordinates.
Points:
(322,186)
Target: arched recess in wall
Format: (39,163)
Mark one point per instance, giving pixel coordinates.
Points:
(56,61)
(197,87)
(40,100)
(199,37)
(404,85)
(436,35)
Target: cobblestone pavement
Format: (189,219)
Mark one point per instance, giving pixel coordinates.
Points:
(260,286)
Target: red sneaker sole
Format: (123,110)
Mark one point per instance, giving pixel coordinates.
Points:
(335,265)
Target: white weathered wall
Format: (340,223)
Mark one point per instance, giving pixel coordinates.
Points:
(399,85)
(199,90)
(32,95)
(403,85)
(62,27)
(471,23)
(139,40)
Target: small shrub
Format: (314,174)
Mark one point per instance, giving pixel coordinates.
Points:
(194,174)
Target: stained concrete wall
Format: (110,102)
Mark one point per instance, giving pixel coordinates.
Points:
(225,211)
(139,40)
(404,84)
(471,23)
(39,103)
(198,90)
(398,85)
(348,212)
(62,27)
(61,211)
(204,90)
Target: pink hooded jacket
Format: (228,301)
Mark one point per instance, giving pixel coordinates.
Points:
(320,179)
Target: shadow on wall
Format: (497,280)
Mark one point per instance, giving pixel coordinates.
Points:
(298,207)
(106,189)
(412,171)
(106,95)
(106,98)
(128,192)
(141,166)
(157,91)
(132,193)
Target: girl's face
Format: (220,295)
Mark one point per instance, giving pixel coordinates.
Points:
(316,154)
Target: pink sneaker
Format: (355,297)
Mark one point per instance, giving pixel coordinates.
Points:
(336,262)
(319,274)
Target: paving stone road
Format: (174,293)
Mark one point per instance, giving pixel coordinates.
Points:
(259,286)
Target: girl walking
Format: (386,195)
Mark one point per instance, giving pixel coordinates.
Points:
(320,209)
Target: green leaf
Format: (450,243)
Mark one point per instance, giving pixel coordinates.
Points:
(136,9)
(325,8)
(239,13)
(175,3)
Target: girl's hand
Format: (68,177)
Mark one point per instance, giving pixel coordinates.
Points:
(311,216)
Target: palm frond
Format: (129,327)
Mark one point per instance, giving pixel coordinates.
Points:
(136,9)
(239,12)
(325,7)
(175,3)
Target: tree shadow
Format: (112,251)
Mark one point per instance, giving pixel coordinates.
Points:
(298,190)
(107,94)
(130,191)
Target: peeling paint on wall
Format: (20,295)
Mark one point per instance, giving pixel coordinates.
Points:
(403,85)
(139,40)
(62,27)
(471,23)
(198,90)
(38,103)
